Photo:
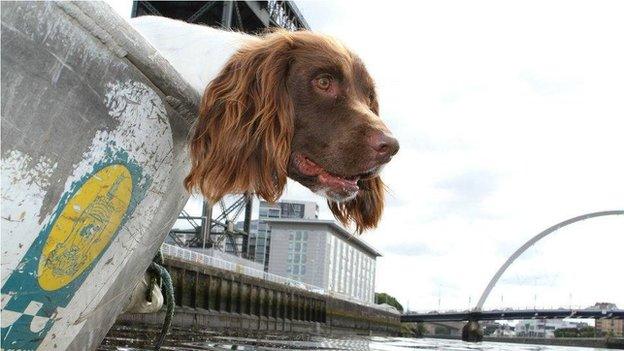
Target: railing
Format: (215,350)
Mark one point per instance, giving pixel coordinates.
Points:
(200,258)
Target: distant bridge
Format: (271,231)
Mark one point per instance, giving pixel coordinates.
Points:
(472,331)
(530,243)
(510,315)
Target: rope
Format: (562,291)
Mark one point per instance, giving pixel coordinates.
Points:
(159,275)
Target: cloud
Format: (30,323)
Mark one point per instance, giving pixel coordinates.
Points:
(466,193)
(550,86)
(409,249)
(536,279)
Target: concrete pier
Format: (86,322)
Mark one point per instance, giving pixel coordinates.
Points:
(472,332)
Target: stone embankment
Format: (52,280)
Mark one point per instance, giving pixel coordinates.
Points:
(212,300)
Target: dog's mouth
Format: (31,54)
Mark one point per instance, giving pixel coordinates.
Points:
(334,186)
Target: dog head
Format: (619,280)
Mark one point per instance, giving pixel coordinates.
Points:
(298,105)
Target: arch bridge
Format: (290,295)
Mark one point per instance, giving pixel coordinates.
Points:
(472,331)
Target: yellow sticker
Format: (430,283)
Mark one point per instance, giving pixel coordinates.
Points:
(85,226)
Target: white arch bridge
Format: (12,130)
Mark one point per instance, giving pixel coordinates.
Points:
(477,314)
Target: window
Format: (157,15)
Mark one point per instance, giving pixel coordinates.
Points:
(336,256)
(263,213)
(274,213)
(330,271)
(343,265)
(290,210)
(297,254)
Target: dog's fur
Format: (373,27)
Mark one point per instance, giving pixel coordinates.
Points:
(287,104)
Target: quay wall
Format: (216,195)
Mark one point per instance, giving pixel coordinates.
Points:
(216,300)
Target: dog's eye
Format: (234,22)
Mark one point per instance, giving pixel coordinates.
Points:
(323,82)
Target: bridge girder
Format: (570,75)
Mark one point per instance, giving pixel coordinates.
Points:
(511,315)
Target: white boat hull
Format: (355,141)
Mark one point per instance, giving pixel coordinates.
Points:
(93,157)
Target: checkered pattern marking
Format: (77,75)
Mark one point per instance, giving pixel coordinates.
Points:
(32,316)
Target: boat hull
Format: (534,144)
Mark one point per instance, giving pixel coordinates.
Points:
(94,130)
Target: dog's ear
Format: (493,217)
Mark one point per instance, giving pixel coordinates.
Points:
(365,209)
(241,140)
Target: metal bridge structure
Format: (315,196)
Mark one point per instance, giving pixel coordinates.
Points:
(511,315)
(216,227)
(472,330)
(245,16)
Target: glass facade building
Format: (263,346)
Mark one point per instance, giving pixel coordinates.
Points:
(260,236)
(323,254)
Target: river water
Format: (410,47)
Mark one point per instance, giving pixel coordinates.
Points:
(219,343)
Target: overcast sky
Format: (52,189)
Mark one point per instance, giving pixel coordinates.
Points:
(511,119)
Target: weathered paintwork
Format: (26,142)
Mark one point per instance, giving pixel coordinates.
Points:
(93,157)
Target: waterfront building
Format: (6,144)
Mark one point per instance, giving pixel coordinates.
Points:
(606,306)
(544,328)
(610,327)
(289,209)
(494,328)
(260,231)
(323,254)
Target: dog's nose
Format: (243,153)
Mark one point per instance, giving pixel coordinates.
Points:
(385,145)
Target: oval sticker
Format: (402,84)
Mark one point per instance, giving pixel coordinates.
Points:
(85,226)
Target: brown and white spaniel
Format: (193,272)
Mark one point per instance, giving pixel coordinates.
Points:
(286,104)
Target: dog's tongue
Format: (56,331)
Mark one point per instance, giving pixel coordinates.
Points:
(337,182)
(309,168)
